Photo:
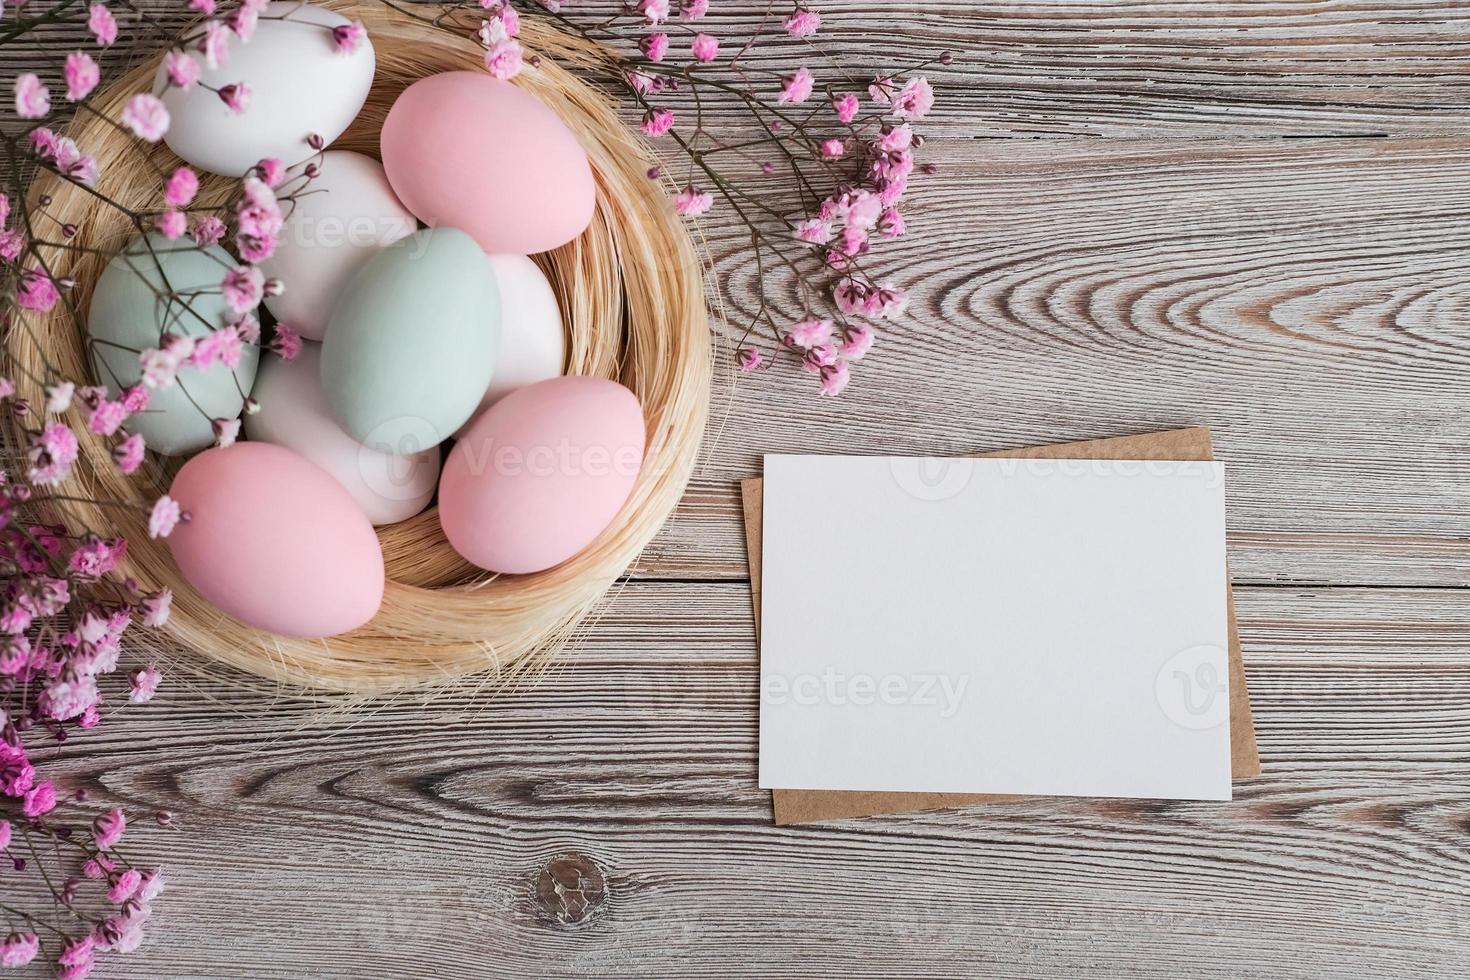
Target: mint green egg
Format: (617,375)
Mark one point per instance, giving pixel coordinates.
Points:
(156,286)
(411,343)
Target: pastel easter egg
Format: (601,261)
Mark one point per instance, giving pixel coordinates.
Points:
(411,342)
(532,183)
(339,220)
(533,343)
(275,542)
(293,413)
(127,316)
(299,83)
(542,473)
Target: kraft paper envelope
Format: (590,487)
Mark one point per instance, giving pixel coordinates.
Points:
(804,806)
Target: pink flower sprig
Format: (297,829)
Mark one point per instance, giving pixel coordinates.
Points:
(821,177)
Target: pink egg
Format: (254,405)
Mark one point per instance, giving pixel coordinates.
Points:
(469,151)
(276,542)
(542,473)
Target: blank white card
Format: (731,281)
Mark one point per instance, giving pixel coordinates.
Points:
(1050,627)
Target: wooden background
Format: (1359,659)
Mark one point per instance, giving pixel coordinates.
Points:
(1249,215)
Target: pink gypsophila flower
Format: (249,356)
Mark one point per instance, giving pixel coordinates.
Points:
(17,775)
(5,833)
(135,398)
(124,886)
(63,699)
(222,346)
(19,948)
(182,186)
(243,287)
(706,47)
(258,221)
(750,359)
(286,342)
(164,517)
(209,230)
(106,418)
(857,343)
(32,99)
(504,59)
(272,171)
(82,75)
(146,116)
(95,557)
(215,45)
(892,223)
(59,396)
(37,291)
(52,455)
(243,20)
(159,368)
(655,46)
(694,9)
(172,224)
(834,379)
(102,24)
(833,148)
(846,107)
(692,202)
(796,88)
(226,431)
(108,829)
(915,100)
(128,454)
(156,606)
(182,68)
(143,684)
(152,886)
(814,231)
(657,122)
(39,800)
(656,11)
(809,333)
(897,138)
(236,96)
(803,23)
(347,38)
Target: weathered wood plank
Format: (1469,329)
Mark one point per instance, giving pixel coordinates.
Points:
(1303,298)
(1117,68)
(410,839)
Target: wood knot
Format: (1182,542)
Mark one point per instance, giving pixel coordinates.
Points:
(570,890)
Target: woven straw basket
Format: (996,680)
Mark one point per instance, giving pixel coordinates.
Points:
(632,298)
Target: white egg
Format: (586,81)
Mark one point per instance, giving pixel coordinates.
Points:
(533,343)
(299,85)
(293,414)
(339,220)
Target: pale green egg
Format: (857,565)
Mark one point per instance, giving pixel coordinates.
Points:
(412,341)
(156,286)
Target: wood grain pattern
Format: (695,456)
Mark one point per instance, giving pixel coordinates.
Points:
(607,823)
(1108,67)
(1306,298)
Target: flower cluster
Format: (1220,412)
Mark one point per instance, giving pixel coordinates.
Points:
(66,602)
(846,148)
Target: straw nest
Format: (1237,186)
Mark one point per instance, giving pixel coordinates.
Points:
(632,299)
